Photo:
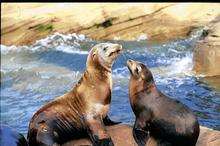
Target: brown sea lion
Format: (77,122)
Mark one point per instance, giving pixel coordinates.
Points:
(83,110)
(167,121)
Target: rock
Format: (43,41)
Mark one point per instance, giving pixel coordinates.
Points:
(212,81)
(208,137)
(158,21)
(122,136)
(207,52)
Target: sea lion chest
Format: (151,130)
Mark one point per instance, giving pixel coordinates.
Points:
(98,101)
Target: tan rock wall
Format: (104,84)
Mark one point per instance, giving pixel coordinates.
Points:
(207,52)
(25,23)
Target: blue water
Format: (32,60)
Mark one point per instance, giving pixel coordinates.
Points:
(33,75)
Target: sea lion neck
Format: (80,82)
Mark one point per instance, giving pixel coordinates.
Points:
(94,64)
(94,67)
(143,86)
(98,68)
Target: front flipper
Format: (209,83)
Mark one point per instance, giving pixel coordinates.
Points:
(140,135)
(108,122)
(98,133)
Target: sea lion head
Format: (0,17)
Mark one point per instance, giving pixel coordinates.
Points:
(141,80)
(139,71)
(103,55)
(141,77)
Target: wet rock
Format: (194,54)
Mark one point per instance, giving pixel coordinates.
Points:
(212,81)
(207,52)
(122,136)
(208,137)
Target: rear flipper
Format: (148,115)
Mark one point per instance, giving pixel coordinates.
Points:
(140,136)
(162,142)
(108,122)
(22,140)
(140,132)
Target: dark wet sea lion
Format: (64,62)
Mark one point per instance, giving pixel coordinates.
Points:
(167,121)
(83,110)
(10,137)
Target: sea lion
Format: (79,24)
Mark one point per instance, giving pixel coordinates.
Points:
(10,137)
(167,121)
(83,110)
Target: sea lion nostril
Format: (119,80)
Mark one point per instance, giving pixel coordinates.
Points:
(129,62)
(120,47)
(118,51)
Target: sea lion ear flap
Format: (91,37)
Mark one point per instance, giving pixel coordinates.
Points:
(139,69)
(140,72)
(142,75)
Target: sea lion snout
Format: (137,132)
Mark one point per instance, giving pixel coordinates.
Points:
(114,50)
(107,53)
(139,71)
(129,62)
(134,67)
(129,65)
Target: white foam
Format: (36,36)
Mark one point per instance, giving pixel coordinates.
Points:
(173,50)
(178,67)
(120,72)
(142,37)
(69,43)
(9,49)
(182,65)
(70,50)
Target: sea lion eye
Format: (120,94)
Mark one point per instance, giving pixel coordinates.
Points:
(105,48)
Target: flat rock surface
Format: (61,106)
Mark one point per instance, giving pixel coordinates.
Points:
(122,136)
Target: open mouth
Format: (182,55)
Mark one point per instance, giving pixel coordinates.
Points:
(129,64)
(118,51)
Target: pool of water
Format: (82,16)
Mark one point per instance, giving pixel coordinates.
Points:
(33,75)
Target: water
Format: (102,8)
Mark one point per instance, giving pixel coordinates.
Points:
(33,75)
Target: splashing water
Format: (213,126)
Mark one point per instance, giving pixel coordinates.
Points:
(33,75)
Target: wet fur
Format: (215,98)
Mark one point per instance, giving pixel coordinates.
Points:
(167,120)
